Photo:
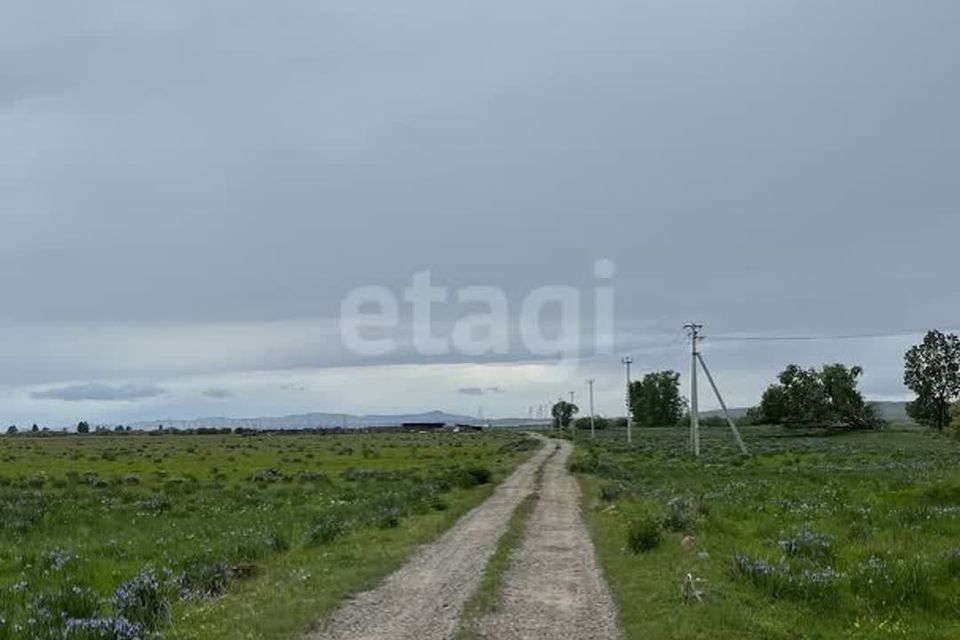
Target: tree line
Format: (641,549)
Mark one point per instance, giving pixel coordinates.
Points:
(826,397)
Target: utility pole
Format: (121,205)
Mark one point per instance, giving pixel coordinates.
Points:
(627,361)
(593,426)
(693,330)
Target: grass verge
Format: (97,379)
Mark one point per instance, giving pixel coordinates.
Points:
(811,537)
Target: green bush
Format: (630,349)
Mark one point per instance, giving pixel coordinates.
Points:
(481,474)
(643,533)
(470,478)
(586,459)
(681,515)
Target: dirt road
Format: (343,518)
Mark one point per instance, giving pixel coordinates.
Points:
(554,588)
(424,599)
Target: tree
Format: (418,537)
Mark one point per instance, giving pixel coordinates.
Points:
(932,371)
(83,427)
(563,413)
(35,428)
(655,401)
(808,397)
(12,430)
(583,423)
(846,401)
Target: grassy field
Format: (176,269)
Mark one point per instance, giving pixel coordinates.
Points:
(842,536)
(221,536)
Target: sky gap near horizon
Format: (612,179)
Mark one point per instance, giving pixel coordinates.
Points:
(189,190)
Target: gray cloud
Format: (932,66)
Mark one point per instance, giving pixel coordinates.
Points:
(480,391)
(217,393)
(762,167)
(98,391)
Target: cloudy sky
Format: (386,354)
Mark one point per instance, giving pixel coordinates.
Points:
(189,191)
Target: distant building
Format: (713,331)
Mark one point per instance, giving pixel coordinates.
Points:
(424,426)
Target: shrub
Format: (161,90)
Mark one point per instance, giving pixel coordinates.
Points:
(101,629)
(462,479)
(643,533)
(204,579)
(681,515)
(327,529)
(482,475)
(144,600)
(586,459)
(807,543)
(388,518)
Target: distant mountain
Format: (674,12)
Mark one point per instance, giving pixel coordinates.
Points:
(895,412)
(324,421)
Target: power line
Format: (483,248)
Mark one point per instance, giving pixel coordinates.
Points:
(849,336)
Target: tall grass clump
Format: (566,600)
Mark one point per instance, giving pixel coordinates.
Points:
(814,585)
(328,528)
(643,533)
(146,600)
(893,582)
(681,515)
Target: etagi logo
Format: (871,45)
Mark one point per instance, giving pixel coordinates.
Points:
(549,322)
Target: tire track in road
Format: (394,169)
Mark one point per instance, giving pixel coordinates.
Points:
(424,600)
(554,588)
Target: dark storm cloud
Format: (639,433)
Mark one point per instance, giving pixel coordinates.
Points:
(97,391)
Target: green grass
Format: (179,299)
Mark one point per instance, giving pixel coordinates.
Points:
(841,536)
(245,536)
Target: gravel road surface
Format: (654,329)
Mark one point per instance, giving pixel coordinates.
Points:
(424,599)
(554,589)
